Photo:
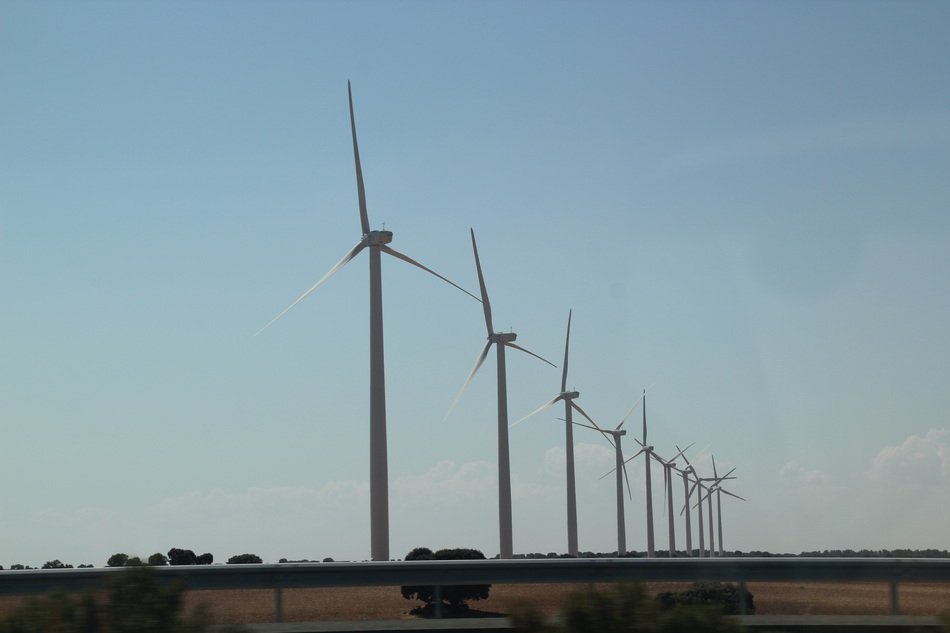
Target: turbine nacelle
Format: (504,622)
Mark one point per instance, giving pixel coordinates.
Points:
(377,238)
(503,337)
(570,395)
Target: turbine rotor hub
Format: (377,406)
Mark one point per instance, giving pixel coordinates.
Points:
(377,238)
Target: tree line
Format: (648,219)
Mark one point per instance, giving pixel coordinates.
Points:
(177,556)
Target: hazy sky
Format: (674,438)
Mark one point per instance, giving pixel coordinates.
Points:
(745,204)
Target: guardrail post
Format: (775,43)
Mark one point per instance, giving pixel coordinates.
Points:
(437,595)
(743,596)
(895,603)
(279,604)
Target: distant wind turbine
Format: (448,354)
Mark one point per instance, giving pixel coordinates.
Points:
(669,465)
(718,489)
(500,340)
(569,406)
(376,242)
(684,472)
(613,436)
(647,452)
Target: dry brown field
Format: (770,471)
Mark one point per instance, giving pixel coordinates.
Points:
(386,603)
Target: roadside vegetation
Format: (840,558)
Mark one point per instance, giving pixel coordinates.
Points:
(626,608)
(136,602)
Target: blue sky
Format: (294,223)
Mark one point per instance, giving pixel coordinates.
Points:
(745,205)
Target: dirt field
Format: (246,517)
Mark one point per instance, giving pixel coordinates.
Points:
(386,603)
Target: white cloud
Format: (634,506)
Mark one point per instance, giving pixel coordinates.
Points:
(919,460)
(445,481)
(795,472)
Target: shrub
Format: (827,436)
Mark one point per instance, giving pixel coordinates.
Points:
(723,596)
(625,608)
(457,595)
(135,603)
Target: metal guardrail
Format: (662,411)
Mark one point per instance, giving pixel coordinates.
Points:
(444,573)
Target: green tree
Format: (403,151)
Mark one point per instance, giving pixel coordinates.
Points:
(178,556)
(157,560)
(56,564)
(117,560)
(456,595)
(243,559)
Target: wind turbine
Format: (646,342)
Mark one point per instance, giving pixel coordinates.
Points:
(708,498)
(377,243)
(647,451)
(718,489)
(684,472)
(613,436)
(669,465)
(569,406)
(500,340)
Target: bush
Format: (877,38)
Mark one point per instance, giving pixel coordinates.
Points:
(135,603)
(723,596)
(625,608)
(457,595)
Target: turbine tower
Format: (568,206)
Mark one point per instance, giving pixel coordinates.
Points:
(647,452)
(569,407)
(613,436)
(377,243)
(500,340)
(669,465)
(684,472)
(718,489)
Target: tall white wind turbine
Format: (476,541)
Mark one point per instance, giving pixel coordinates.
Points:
(684,472)
(613,436)
(669,465)
(647,452)
(697,481)
(718,489)
(569,407)
(705,494)
(377,243)
(500,340)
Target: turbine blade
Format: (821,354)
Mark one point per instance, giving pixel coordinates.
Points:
(340,264)
(406,258)
(567,345)
(627,479)
(364,218)
(681,452)
(518,347)
(726,492)
(644,417)
(486,304)
(468,381)
(714,467)
(538,410)
(634,407)
(577,408)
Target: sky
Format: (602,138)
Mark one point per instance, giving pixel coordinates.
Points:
(745,206)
